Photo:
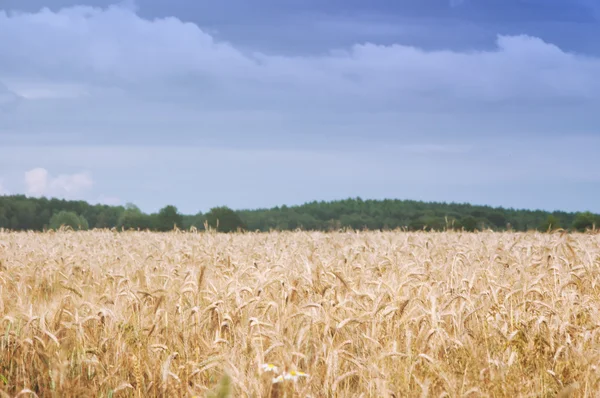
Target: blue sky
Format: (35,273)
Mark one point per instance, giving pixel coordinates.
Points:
(270,102)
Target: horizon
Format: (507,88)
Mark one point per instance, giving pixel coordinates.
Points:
(204,104)
(205,211)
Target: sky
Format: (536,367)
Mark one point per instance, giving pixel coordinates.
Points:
(257,104)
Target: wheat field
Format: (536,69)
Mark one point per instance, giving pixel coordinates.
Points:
(347,314)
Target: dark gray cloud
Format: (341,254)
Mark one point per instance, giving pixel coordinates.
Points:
(156,74)
(309,26)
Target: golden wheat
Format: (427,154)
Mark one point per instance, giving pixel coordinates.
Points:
(370,314)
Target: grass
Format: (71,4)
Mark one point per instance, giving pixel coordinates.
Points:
(371,314)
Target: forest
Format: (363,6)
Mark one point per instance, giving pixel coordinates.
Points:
(22,213)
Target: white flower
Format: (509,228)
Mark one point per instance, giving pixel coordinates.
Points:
(293,376)
(269,367)
(277,379)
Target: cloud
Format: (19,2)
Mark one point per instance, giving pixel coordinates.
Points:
(115,53)
(30,89)
(110,91)
(431,149)
(8,99)
(39,182)
(153,177)
(36,181)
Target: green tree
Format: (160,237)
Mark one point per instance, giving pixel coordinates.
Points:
(551,223)
(4,222)
(19,212)
(498,219)
(101,220)
(167,218)
(68,219)
(133,218)
(224,219)
(469,223)
(196,221)
(132,207)
(585,220)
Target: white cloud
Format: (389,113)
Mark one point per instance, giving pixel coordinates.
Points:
(36,181)
(39,182)
(84,49)
(31,89)
(8,99)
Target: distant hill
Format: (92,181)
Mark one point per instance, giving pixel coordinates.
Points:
(412,215)
(19,212)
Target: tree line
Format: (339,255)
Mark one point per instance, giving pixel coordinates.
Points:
(21,213)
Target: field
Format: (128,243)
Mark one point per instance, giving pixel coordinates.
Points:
(370,314)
